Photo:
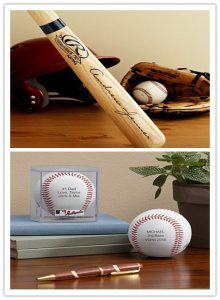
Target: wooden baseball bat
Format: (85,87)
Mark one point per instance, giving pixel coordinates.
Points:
(108,92)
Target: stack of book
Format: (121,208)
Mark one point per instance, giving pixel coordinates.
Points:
(30,239)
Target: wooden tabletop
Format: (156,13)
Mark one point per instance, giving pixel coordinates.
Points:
(188,270)
(68,125)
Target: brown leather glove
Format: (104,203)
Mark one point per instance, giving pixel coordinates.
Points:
(188,91)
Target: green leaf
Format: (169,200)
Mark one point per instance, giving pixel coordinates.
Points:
(191,167)
(147,171)
(206,168)
(168,167)
(177,172)
(185,154)
(197,174)
(195,164)
(193,157)
(160,180)
(165,158)
(207,154)
(186,157)
(157,194)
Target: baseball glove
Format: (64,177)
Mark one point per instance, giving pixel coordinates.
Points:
(188,91)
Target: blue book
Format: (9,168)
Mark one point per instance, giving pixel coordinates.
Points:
(105,224)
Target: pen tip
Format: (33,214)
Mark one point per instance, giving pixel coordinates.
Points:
(48,277)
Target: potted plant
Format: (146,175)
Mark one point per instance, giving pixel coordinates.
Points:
(191,173)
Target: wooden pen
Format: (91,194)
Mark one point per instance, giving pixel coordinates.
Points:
(121,269)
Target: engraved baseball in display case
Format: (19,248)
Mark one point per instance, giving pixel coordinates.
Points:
(65,194)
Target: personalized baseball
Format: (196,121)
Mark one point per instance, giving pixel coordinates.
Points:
(160,233)
(65,193)
(150,92)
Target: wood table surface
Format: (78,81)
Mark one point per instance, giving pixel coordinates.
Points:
(68,125)
(188,270)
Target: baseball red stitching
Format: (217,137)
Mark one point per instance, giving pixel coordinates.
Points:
(177,227)
(160,86)
(149,97)
(46,193)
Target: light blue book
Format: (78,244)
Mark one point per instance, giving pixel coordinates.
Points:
(105,224)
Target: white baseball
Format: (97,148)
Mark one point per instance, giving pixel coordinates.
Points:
(160,233)
(150,92)
(69,191)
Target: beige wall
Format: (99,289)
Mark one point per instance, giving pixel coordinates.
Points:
(171,38)
(122,192)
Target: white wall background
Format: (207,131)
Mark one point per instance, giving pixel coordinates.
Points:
(170,38)
(122,192)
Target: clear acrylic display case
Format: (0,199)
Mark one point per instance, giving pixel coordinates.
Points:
(64,193)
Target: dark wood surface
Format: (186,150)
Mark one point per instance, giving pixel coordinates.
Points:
(188,270)
(68,125)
